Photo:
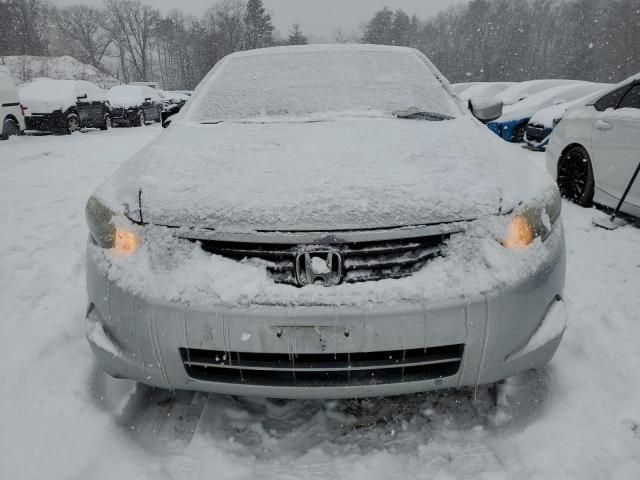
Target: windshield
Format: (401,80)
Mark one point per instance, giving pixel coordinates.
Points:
(302,82)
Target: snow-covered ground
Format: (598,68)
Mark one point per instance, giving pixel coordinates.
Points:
(61,418)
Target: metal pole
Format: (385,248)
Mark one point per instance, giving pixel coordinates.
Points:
(626,192)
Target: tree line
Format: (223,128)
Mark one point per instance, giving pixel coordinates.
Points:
(482,40)
(507,40)
(137,40)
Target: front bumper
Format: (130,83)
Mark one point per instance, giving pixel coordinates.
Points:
(496,334)
(121,116)
(45,122)
(537,136)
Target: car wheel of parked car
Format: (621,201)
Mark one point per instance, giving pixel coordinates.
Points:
(73,123)
(107,123)
(141,120)
(9,127)
(575,176)
(518,133)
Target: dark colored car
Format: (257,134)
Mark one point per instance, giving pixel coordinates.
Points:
(64,106)
(134,105)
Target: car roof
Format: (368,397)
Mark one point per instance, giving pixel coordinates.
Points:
(291,49)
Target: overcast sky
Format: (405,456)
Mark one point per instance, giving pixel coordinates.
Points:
(318,17)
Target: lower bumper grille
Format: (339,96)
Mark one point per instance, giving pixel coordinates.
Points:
(323,370)
(44,122)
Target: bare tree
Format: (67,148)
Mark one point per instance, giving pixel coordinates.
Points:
(82,29)
(23,27)
(133,26)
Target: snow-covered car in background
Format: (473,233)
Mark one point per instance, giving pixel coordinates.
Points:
(541,125)
(64,106)
(170,98)
(595,149)
(134,105)
(485,89)
(511,126)
(263,263)
(521,91)
(11,114)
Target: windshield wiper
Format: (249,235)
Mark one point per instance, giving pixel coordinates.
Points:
(414,113)
(217,122)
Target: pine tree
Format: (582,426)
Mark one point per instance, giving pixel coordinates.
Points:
(258,26)
(296,37)
(380,28)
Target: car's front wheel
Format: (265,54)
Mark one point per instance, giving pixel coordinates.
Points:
(72,124)
(106,125)
(575,176)
(518,133)
(141,120)
(9,127)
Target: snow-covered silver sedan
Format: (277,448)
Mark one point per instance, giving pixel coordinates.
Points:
(326,222)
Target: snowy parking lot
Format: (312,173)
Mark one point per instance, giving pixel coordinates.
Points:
(62,418)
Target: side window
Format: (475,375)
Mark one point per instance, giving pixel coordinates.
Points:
(632,98)
(611,100)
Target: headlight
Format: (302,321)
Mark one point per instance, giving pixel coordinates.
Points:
(528,223)
(111,231)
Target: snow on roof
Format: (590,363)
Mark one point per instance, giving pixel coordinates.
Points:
(550,96)
(320,79)
(485,89)
(127,96)
(45,95)
(522,90)
(546,116)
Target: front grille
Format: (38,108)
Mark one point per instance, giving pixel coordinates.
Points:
(325,369)
(361,261)
(536,133)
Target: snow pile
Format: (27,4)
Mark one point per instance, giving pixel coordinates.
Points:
(126,96)
(485,89)
(26,67)
(46,95)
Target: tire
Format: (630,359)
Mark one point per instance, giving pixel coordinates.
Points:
(72,124)
(9,127)
(575,176)
(107,122)
(141,120)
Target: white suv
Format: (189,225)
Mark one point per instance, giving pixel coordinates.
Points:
(11,115)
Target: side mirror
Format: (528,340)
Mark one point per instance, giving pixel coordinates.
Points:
(166,115)
(486,109)
(148,99)
(82,97)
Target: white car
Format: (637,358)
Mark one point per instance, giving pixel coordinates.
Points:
(11,114)
(595,149)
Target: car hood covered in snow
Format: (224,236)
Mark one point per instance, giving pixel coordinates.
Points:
(350,172)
